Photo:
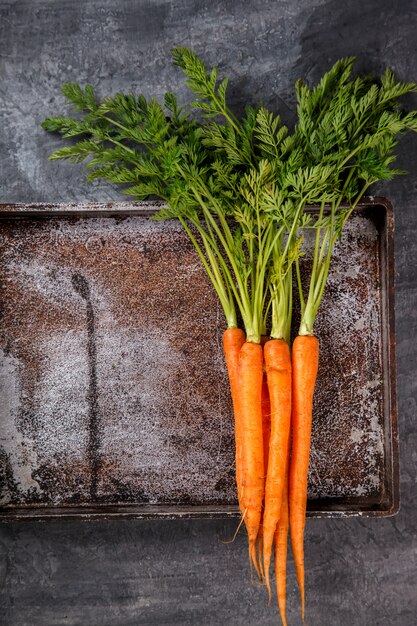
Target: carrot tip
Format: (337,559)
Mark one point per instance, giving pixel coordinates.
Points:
(253,560)
(259,556)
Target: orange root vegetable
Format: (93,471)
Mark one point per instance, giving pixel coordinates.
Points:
(233,340)
(266,410)
(266,429)
(250,371)
(305,359)
(280,551)
(259,549)
(278,370)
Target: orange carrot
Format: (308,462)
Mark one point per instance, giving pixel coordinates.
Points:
(266,409)
(305,359)
(233,340)
(280,551)
(278,370)
(250,411)
(266,430)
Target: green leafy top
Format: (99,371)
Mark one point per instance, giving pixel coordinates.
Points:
(241,187)
(350,124)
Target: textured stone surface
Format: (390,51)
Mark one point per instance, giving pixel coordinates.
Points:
(359,572)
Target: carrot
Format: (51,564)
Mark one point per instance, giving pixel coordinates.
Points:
(233,340)
(305,357)
(280,550)
(266,431)
(278,370)
(266,409)
(250,411)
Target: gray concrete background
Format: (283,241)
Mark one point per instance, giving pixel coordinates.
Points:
(359,571)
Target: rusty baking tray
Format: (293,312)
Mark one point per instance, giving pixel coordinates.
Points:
(114,398)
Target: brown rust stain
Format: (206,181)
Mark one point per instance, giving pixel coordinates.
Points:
(132,407)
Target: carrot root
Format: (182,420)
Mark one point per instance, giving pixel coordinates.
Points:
(266,431)
(280,555)
(305,356)
(233,340)
(250,411)
(242,519)
(278,369)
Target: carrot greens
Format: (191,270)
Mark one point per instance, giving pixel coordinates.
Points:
(351,125)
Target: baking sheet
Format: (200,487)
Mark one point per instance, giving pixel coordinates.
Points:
(113,388)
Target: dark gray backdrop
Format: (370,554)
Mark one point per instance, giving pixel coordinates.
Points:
(361,572)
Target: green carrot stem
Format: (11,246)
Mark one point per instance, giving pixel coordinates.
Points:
(214,275)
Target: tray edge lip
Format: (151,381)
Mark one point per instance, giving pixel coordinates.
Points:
(122,208)
(391,352)
(80,209)
(136,512)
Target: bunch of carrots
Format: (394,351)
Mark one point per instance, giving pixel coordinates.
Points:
(243,190)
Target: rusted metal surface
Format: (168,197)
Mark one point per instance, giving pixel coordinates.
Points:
(113,388)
